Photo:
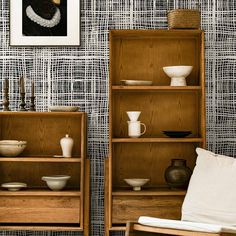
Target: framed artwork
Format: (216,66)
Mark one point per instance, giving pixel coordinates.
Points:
(44,22)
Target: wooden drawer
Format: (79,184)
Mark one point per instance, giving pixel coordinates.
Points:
(39,209)
(129,208)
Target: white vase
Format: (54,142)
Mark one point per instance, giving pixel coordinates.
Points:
(66,146)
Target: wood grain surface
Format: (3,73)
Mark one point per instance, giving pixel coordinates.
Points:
(39,209)
(127,208)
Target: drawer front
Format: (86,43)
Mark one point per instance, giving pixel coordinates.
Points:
(130,208)
(43,209)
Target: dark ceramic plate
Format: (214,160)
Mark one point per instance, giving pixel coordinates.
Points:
(176,134)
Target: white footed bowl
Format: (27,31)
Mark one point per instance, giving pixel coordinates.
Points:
(178,74)
(136,183)
(12,148)
(56,182)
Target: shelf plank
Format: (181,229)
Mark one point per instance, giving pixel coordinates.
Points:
(149,192)
(28,113)
(40,192)
(39,159)
(40,228)
(118,228)
(160,33)
(155,88)
(157,140)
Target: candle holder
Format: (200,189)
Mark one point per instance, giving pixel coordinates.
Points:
(6,100)
(32,104)
(22,104)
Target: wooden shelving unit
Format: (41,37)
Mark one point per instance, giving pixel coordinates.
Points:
(37,207)
(140,55)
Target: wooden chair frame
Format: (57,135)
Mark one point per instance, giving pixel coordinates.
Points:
(136,229)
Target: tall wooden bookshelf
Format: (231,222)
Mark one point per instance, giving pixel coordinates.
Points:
(141,55)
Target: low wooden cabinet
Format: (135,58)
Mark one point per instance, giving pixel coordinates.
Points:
(141,55)
(37,207)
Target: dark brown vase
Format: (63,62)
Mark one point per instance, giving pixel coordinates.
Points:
(177,175)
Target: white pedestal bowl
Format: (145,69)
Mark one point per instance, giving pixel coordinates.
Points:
(178,74)
(136,183)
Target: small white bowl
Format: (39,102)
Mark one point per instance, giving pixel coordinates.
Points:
(178,74)
(56,182)
(136,183)
(12,148)
(14,186)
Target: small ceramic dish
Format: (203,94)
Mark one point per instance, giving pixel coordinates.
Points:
(12,148)
(177,134)
(56,182)
(14,186)
(136,183)
(136,82)
(63,108)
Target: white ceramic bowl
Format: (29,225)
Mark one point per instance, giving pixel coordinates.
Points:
(178,74)
(14,186)
(12,148)
(136,183)
(56,182)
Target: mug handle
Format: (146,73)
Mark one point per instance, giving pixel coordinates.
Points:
(142,124)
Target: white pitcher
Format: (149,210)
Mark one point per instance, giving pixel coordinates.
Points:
(134,129)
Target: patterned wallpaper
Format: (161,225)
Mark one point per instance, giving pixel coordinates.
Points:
(79,75)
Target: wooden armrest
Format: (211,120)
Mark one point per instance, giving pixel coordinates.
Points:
(129,228)
(136,229)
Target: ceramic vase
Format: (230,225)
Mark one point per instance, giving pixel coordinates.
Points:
(67,146)
(177,175)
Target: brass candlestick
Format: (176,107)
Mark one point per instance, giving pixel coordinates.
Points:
(6,101)
(22,104)
(6,95)
(32,105)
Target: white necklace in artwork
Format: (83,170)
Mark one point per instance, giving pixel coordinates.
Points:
(41,21)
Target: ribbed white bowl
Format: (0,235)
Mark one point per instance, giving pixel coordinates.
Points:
(12,148)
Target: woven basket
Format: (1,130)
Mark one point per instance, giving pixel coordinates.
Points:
(183,19)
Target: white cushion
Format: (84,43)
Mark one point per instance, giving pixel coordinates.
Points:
(183,225)
(211,195)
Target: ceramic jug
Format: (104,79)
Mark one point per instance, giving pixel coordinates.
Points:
(66,146)
(134,129)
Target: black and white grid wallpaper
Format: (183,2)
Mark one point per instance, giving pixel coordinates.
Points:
(79,76)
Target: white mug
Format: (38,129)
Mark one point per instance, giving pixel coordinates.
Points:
(134,129)
(133,115)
